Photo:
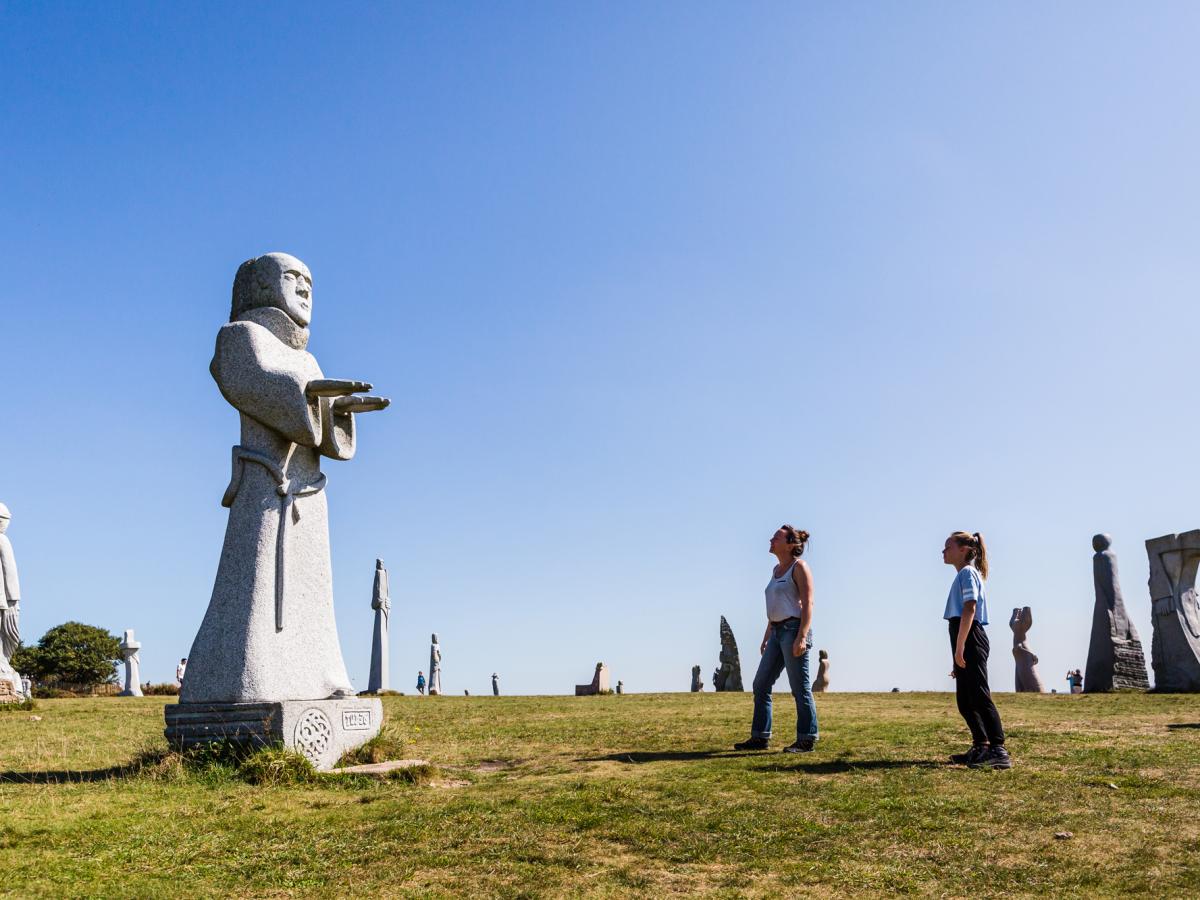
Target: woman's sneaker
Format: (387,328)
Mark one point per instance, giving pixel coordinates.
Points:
(977,752)
(995,758)
(752,744)
(800,747)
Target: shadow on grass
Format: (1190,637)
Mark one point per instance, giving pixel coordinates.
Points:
(1177,725)
(773,762)
(67,776)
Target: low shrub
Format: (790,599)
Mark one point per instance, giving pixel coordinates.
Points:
(53,693)
(384,746)
(161,690)
(276,766)
(21,706)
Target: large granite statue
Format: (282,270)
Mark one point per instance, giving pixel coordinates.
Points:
(266,665)
(10,615)
(697,681)
(130,650)
(1175,612)
(435,667)
(600,683)
(1028,679)
(1115,658)
(821,682)
(380,602)
(729,676)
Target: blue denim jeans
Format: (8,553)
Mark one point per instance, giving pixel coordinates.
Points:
(777,657)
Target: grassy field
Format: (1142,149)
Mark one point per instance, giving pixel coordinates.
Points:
(611,796)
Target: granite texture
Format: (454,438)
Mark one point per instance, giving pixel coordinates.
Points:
(269,632)
(1175,612)
(435,666)
(599,684)
(821,682)
(495,685)
(728,676)
(10,608)
(378,679)
(1115,658)
(1028,681)
(130,650)
(321,730)
(697,681)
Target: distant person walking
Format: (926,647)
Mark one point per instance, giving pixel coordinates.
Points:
(180,671)
(1075,681)
(420,682)
(786,643)
(966,611)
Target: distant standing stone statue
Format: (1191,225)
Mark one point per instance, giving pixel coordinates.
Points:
(266,664)
(130,648)
(495,685)
(11,690)
(729,675)
(600,683)
(435,667)
(1175,612)
(697,681)
(380,602)
(821,682)
(1115,659)
(620,687)
(1028,680)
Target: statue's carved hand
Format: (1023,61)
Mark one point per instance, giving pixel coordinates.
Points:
(360,404)
(335,387)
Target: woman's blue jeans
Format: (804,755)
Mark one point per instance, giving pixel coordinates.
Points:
(777,657)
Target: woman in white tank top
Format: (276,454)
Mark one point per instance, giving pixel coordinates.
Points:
(785,644)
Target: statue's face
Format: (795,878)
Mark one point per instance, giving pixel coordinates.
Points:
(291,285)
(4,520)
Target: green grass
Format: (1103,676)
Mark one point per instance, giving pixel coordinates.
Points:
(611,796)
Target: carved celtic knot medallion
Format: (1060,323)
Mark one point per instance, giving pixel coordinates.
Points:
(313,735)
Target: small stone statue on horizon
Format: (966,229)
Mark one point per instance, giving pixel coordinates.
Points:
(697,682)
(378,679)
(729,675)
(495,685)
(821,682)
(1028,680)
(133,674)
(10,608)
(620,686)
(435,667)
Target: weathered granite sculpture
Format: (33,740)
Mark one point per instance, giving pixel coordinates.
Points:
(620,687)
(1115,658)
(380,602)
(599,685)
(1028,680)
(130,648)
(729,675)
(1175,612)
(266,665)
(821,682)
(697,681)
(10,615)
(495,685)
(435,666)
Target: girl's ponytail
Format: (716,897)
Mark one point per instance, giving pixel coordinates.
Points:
(978,551)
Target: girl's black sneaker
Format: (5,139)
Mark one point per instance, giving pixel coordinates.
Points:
(752,744)
(977,752)
(995,758)
(799,747)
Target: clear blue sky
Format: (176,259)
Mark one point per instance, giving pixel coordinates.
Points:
(643,281)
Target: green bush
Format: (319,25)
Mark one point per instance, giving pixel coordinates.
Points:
(73,653)
(22,706)
(276,766)
(168,689)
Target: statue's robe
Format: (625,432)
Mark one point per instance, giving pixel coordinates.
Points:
(241,653)
(10,596)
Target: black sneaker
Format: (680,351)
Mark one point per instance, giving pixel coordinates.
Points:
(977,752)
(995,758)
(800,747)
(752,744)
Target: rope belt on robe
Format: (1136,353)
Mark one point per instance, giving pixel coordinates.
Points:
(288,493)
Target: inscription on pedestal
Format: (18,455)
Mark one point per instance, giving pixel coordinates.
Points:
(356,719)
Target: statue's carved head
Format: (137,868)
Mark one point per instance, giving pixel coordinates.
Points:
(5,518)
(278,280)
(1021,621)
(1101,542)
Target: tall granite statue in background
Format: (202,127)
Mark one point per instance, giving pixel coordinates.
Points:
(131,651)
(1174,612)
(821,682)
(697,681)
(729,676)
(435,667)
(10,615)
(266,664)
(1115,659)
(380,602)
(1028,679)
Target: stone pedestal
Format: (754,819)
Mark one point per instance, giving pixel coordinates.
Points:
(321,730)
(130,649)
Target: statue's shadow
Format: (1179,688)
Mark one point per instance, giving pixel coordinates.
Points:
(68,776)
(772,762)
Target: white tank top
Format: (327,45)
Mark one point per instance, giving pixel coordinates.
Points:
(783,597)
